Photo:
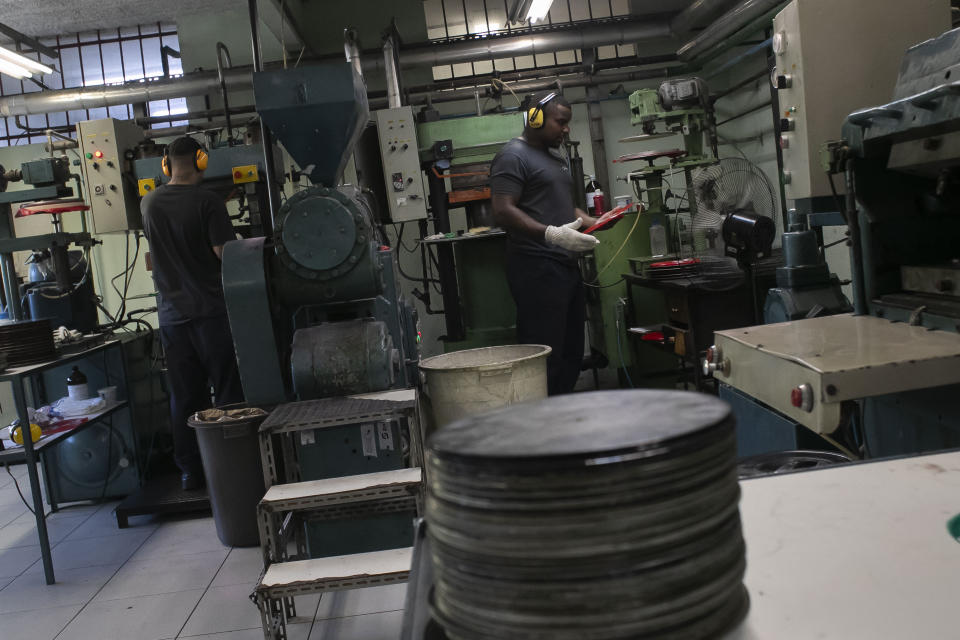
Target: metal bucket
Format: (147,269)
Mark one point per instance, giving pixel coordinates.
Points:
(465,383)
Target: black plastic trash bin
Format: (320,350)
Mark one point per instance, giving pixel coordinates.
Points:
(231,464)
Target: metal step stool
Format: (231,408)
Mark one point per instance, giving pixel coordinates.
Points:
(384,491)
(282,581)
(290,501)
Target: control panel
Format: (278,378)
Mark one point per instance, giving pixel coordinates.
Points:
(111,189)
(821,81)
(397,132)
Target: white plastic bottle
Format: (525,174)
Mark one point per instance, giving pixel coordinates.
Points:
(658,239)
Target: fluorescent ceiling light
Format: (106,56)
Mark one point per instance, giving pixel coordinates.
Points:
(14,70)
(538,10)
(24,62)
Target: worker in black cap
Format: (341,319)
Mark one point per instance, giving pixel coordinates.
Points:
(187,226)
(531,192)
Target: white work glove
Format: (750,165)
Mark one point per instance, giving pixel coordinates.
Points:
(566,237)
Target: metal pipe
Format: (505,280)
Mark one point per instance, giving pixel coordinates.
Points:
(727,25)
(549,82)
(740,85)
(746,113)
(8,273)
(617,32)
(241,78)
(737,59)
(192,84)
(393,77)
(60,145)
(255,35)
(222,50)
(266,137)
(193,115)
(698,14)
(351,50)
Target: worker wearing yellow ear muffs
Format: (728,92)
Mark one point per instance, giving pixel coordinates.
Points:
(531,193)
(187,226)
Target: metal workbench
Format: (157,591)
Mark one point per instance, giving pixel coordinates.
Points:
(695,308)
(17,376)
(844,553)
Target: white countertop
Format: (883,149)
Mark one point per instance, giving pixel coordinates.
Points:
(860,551)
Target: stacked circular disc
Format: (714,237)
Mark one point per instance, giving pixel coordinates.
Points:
(26,342)
(599,516)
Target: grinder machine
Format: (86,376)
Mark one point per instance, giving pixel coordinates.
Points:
(316,309)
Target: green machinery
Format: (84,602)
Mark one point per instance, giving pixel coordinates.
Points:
(678,107)
(478,308)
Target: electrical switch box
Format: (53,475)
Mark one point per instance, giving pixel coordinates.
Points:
(397,131)
(111,188)
(832,58)
(244,174)
(146,185)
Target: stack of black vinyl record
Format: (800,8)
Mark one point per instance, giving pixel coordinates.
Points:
(596,516)
(26,342)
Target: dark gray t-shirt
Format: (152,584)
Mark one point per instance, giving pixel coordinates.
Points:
(542,184)
(182,224)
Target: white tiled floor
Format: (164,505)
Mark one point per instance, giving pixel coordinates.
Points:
(159,579)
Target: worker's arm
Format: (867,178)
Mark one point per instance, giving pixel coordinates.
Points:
(587,219)
(507,215)
(219,228)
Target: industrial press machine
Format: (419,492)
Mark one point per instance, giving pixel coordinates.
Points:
(883,379)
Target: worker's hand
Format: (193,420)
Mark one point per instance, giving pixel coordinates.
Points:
(567,237)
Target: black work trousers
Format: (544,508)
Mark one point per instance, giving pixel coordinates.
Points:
(199,354)
(551,310)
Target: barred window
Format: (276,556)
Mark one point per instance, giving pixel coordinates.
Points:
(457,19)
(91,58)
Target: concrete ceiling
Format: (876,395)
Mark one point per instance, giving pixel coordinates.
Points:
(49,18)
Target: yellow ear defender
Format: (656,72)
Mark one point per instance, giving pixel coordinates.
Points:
(535,115)
(200,162)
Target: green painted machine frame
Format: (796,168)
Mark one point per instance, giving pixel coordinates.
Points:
(485,304)
(627,245)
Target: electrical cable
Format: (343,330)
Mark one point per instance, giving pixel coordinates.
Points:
(836,242)
(17,485)
(153,433)
(400,267)
(126,263)
(117,320)
(603,286)
(836,198)
(400,237)
(493,81)
(622,245)
(435,281)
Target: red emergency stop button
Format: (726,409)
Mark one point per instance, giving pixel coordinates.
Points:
(237,175)
(801,397)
